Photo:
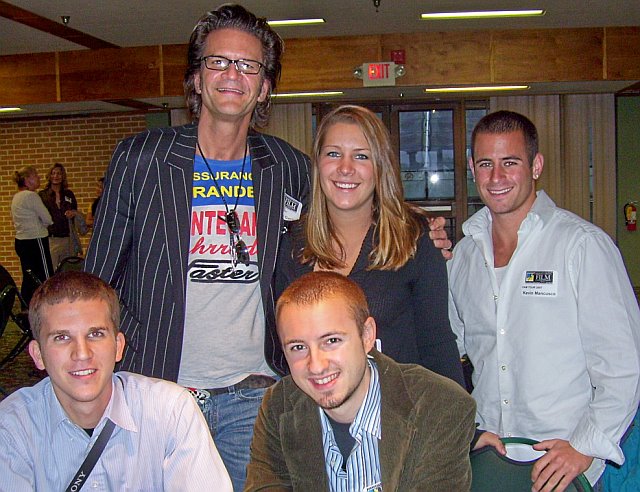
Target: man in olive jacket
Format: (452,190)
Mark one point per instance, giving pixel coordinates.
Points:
(348,417)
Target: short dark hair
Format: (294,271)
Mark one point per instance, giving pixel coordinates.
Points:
(314,287)
(71,286)
(229,16)
(507,122)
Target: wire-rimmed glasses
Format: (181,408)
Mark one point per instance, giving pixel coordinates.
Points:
(239,249)
(222,63)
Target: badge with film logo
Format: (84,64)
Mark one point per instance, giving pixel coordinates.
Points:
(540,283)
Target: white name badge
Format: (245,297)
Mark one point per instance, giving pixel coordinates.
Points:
(540,283)
(292,208)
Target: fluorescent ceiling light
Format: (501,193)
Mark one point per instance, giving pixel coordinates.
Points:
(9,110)
(479,88)
(295,22)
(482,14)
(308,94)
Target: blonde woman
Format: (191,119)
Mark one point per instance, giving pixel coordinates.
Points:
(359,225)
(30,219)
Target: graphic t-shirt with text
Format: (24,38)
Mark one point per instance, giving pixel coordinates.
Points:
(224,323)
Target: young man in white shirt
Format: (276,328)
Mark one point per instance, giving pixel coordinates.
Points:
(542,305)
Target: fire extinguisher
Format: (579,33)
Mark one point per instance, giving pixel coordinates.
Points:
(630,215)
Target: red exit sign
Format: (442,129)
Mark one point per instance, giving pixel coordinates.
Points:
(378,71)
(379,74)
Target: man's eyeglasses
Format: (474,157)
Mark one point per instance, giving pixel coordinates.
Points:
(221,63)
(239,250)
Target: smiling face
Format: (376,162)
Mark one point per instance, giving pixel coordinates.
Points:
(346,171)
(78,346)
(230,95)
(327,354)
(504,176)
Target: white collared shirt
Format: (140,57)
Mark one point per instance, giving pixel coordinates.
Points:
(363,465)
(555,347)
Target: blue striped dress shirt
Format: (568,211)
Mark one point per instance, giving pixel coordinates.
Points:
(160,442)
(363,464)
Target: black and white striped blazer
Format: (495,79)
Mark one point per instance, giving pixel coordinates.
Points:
(140,243)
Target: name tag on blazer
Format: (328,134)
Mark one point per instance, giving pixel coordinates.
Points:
(292,208)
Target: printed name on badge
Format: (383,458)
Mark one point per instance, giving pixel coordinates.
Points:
(292,208)
(540,283)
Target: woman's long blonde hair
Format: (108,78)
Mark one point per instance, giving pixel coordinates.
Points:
(397,225)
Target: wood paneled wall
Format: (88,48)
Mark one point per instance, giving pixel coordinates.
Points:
(433,58)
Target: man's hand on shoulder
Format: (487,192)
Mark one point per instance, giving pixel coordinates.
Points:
(439,236)
(558,467)
(490,439)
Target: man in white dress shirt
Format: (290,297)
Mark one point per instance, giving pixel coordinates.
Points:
(159,438)
(542,304)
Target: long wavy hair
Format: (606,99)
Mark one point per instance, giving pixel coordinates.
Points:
(234,17)
(65,184)
(397,225)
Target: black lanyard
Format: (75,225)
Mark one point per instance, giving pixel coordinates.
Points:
(92,458)
(90,461)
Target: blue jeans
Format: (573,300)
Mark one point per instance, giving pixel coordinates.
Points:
(230,417)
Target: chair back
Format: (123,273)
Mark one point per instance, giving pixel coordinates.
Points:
(7,298)
(8,311)
(492,472)
(5,278)
(71,263)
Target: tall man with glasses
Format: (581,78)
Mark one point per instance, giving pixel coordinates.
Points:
(188,226)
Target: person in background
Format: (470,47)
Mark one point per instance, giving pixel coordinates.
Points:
(350,418)
(62,205)
(542,305)
(359,224)
(157,438)
(30,219)
(94,205)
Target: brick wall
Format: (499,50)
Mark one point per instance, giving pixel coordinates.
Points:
(82,144)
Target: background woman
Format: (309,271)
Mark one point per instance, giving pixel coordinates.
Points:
(358,224)
(31,218)
(62,205)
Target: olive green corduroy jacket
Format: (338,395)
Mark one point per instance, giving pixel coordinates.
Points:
(427,424)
